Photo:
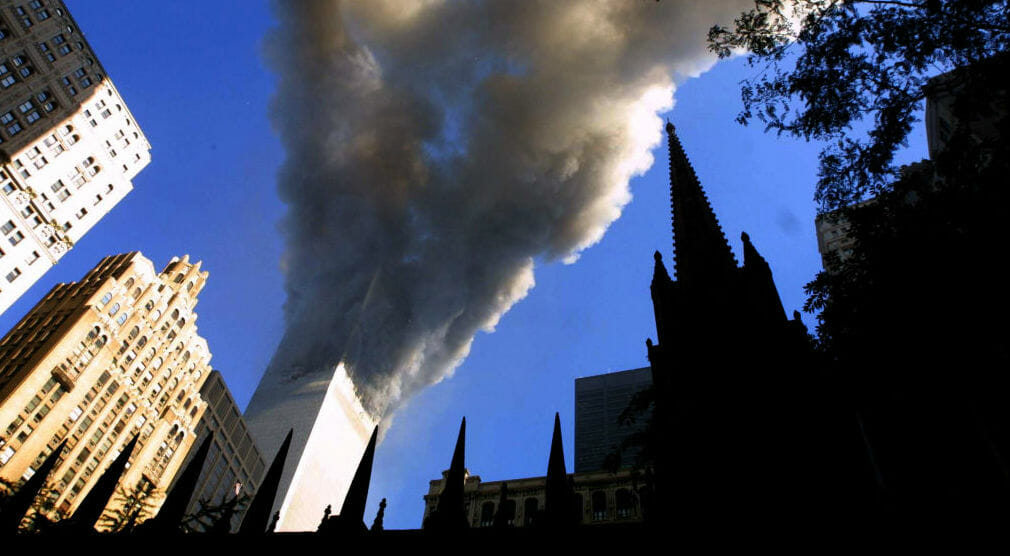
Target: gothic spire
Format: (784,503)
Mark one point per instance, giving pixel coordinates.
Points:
(450,514)
(558,496)
(91,508)
(701,252)
(17,505)
(352,512)
(257,516)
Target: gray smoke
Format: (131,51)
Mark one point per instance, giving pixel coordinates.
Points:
(436,150)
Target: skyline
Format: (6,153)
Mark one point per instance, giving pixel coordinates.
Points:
(581,319)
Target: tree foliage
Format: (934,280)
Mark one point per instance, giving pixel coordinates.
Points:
(831,69)
(130,507)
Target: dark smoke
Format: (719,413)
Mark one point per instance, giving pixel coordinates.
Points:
(436,150)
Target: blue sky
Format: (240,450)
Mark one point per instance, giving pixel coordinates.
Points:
(192,75)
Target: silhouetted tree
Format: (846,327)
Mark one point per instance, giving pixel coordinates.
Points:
(129,507)
(834,68)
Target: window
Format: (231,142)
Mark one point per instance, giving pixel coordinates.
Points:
(33,117)
(24,107)
(15,239)
(13,275)
(8,81)
(122,318)
(114,309)
(14,128)
(81,213)
(7,118)
(106,299)
(8,227)
(599,505)
(32,258)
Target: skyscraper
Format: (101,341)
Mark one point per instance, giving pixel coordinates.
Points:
(599,402)
(69,146)
(234,465)
(97,361)
(331,429)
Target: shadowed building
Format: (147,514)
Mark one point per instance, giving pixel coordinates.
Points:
(69,146)
(234,464)
(599,402)
(96,362)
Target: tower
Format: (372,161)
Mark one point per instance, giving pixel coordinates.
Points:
(69,146)
(331,430)
(97,362)
(727,368)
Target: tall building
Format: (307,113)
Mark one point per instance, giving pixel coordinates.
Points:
(331,429)
(69,146)
(96,362)
(599,402)
(234,465)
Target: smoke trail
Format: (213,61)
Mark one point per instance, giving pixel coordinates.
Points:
(437,149)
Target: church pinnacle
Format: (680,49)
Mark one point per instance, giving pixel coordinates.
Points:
(701,252)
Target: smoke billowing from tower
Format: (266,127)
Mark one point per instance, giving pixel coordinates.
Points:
(436,150)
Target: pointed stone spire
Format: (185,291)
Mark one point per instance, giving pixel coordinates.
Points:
(257,517)
(701,251)
(352,512)
(94,503)
(172,511)
(450,513)
(377,524)
(659,273)
(558,496)
(15,508)
(764,295)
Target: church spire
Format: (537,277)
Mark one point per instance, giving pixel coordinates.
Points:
(701,252)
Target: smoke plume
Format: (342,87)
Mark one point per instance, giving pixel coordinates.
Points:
(436,151)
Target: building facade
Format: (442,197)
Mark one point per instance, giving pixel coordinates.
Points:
(599,402)
(69,146)
(96,362)
(601,498)
(234,465)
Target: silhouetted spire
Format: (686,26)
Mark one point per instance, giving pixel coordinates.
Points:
(94,503)
(700,248)
(450,513)
(14,510)
(761,286)
(659,273)
(352,512)
(558,496)
(172,511)
(257,516)
(377,524)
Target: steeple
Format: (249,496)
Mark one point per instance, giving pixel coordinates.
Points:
(558,495)
(353,510)
(701,252)
(257,515)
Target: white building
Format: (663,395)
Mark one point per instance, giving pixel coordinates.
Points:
(69,146)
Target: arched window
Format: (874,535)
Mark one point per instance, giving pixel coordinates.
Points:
(114,309)
(129,284)
(106,298)
(530,509)
(181,323)
(155,315)
(625,503)
(179,278)
(157,363)
(175,314)
(122,318)
(101,341)
(487,514)
(185,357)
(189,286)
(93,333)
(134,332)
(599,505)
(149,305)
(136,293)
(142,341)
